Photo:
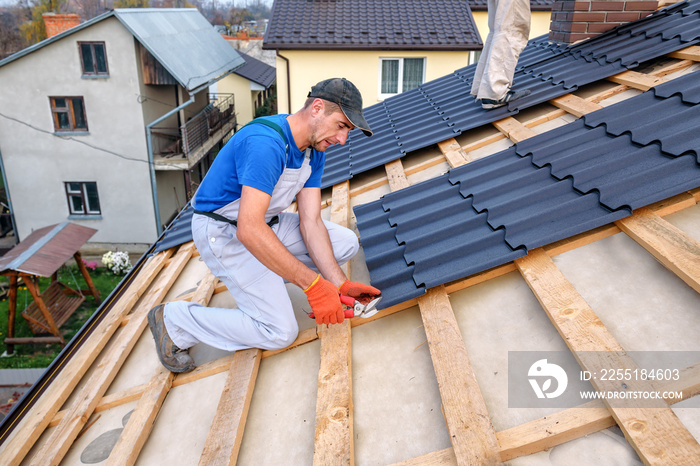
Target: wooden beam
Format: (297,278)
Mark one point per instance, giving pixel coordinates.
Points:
(675,249)
(57,392)
(688,53)
(340,210)
(656,434)
(468,422)
(53,451)
(333,438)
(138,428)
(575,105)
(557,428)
(453,153)
(637,80)
(396,175)
(86,276)
(224,439)
(513,129)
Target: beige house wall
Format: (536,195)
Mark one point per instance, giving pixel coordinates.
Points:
(113,153)
(307,67)
(539,23)
(240,88)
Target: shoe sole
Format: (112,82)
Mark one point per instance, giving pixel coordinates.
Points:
(152,325)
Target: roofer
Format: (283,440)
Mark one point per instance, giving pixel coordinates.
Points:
(509,28)
(253,247)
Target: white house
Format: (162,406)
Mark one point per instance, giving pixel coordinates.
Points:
(109,124)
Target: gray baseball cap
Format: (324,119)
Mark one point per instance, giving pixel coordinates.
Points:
(347,96)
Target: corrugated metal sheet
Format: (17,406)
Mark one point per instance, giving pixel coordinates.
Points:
(443,108)
(549,187)
(257,71)
(183,41)
(369,24)
(178,232)
(45,250)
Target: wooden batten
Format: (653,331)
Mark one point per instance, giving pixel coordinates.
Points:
(656,434)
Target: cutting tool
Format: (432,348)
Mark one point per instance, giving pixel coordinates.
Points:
(357,309)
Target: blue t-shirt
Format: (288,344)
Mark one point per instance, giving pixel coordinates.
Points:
(255,156)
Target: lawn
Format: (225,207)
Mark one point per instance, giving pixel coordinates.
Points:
(41,355)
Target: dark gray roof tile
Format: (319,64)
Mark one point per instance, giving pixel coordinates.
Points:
(368,24)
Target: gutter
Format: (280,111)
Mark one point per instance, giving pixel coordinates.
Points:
(289,84)
(151,165)
(9,200)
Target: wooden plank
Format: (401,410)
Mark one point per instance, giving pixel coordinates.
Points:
(138,428)
(575,105)
(453,153)
(468,422)
(563,426)
(688,53)
(513,129)
(34,291)
(637,80)
(224,439)
(57,445)
(675,249)
(340,211)
(656,434)
(32,426)
(396,175)
(333,438)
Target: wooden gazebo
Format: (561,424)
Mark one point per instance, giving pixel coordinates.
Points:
(41,254)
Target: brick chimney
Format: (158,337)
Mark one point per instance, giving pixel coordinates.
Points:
(56,23)
(574,20)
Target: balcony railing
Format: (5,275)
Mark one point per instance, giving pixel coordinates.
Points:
(195,135)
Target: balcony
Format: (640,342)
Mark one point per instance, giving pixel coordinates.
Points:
(181,148)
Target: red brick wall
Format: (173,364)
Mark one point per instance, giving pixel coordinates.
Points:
(574,20)
(56,23)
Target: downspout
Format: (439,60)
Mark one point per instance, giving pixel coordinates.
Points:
(289,84)
(9,201)
(149,143)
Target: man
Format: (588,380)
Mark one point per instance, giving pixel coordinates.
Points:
(253,247)
(509,28)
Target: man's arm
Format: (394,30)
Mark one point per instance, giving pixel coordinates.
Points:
(315,235)
(261,241)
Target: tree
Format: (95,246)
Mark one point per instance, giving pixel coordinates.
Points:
(11,40)
(34,31)
(131,3)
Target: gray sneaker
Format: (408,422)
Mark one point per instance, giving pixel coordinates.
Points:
(488,104)
(173,358)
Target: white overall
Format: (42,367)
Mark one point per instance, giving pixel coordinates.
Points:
(264,318)
(509,28)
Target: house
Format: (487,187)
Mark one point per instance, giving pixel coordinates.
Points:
(255,79)
(384,48)
(584,202)
(108,123)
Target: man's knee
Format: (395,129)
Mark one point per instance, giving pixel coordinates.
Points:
(280,339)
(346,245)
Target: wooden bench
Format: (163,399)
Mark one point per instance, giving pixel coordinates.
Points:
(61,302)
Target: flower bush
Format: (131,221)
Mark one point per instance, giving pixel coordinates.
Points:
(92,265)
(118,262)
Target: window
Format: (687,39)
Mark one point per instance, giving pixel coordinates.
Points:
(400,74)
(82,198)
(93,59)
(68,114)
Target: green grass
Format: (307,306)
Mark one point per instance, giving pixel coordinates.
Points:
(41,355)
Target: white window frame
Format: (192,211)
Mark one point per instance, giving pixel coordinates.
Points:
(82,193)
(383,96)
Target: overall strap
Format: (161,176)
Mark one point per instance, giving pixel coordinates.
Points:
(273,125)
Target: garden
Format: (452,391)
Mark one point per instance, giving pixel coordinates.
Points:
(105,276)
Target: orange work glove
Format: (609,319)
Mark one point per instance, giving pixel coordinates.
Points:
(325,301)
(361,292)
